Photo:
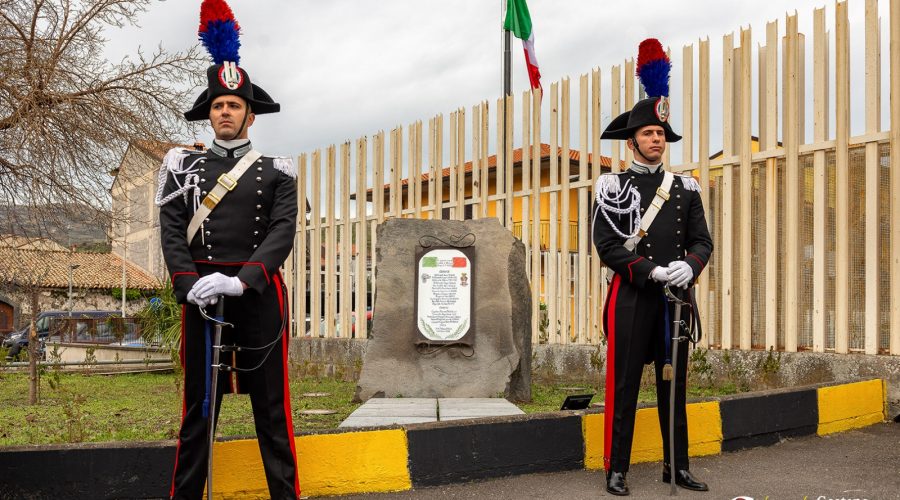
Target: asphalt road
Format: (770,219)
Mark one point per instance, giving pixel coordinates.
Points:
(858,464)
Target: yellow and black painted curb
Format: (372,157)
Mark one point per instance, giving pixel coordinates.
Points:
(403,457)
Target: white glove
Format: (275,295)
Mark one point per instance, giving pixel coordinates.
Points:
(217,284)
(680,273)
(202,303)
(660,274)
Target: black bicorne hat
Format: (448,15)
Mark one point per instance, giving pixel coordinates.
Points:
(229,79)
(219,32)
(650,111)
(653,68)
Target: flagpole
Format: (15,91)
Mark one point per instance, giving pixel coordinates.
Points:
(507,88)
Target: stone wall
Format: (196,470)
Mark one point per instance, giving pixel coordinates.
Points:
(579,364)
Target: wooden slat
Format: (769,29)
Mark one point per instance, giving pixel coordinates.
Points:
(703,292)
(454,161)
(361,239)
(536,279)
(500,170)
(769,141)
(433,169)
(565,308)
(820,204)
(415,162)
(378,177)
(476,161)
(873,124)
(629,99)
(460,170)
(616,110)
(439,159)
(687,114)
(509,175)
(553,252)
(485,154)
(330,245)
(378,191)
(842,178)
(895,176)
(792,185)
(667,152)
(315,267)
(727,254)
(746,193)
(395,193)
(525,199)
(346,288)
(581,299)
(300,250)
(597,273)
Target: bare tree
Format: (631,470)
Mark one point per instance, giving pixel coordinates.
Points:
(67,114)
(27,283)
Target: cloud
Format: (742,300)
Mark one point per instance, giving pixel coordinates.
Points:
(346,68)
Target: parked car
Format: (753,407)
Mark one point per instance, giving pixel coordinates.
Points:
(83,325)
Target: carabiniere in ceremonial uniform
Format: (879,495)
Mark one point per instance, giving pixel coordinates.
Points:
(245,230)
(650,231)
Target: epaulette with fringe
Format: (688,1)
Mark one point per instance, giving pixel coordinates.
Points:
(285,165)
(689,183)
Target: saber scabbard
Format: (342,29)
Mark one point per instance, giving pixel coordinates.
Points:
(676,339)
(214,382)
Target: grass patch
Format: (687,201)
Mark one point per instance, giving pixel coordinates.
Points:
(78,408)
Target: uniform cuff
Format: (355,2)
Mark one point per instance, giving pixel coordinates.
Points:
(182,284)
(254,275)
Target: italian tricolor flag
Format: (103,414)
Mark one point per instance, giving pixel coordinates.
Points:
(519,22)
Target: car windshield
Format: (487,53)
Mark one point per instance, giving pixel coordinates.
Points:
(42,323)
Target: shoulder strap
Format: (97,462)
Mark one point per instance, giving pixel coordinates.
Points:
(224,184)
(662,195)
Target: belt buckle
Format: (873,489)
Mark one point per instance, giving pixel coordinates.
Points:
(226,181)
(211,201)
(662,193)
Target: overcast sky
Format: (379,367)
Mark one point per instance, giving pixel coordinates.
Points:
(342,69)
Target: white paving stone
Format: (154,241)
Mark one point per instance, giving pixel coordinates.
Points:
(389,411)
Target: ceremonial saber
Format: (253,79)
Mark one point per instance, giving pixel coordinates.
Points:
(211,423)
(676,338)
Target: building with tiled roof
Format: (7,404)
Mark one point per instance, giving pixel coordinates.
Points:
(94,276)
(571,167)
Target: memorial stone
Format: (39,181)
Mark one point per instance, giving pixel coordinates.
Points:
(465,334)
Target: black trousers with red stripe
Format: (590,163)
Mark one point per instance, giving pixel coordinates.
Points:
(257,319)
(634,323)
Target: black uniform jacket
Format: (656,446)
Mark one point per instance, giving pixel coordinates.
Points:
(678,232)
(249,233)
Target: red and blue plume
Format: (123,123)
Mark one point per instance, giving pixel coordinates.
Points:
(653,66)
(219,31)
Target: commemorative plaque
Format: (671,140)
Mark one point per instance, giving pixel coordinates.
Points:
(444,296)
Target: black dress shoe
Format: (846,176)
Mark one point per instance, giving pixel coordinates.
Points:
(615,484)
(685,479)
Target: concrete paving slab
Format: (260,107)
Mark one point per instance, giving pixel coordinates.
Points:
(395,411)
(378,421)
(468,402)
(390,411)
(464,408)
(393,401)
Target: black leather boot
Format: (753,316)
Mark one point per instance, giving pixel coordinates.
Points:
(684,479)
(615,483)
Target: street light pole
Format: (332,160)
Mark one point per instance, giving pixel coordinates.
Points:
(72,267)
